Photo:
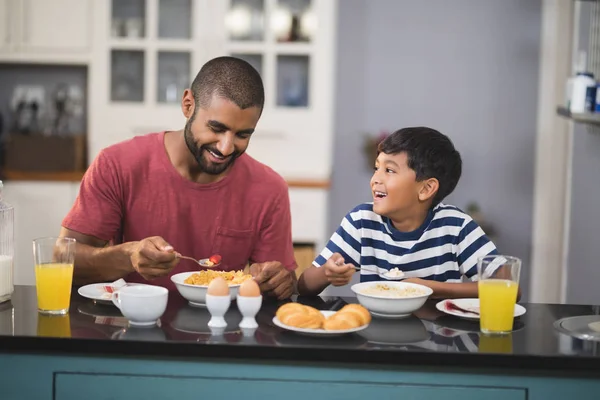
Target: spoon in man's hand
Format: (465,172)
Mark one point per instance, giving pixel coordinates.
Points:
(211,262)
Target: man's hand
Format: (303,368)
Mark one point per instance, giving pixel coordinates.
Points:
(273,279)
(153,257)
(338,273)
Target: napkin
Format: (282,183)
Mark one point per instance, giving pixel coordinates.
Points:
(109,289)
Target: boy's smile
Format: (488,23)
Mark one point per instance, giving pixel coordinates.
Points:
(396,191)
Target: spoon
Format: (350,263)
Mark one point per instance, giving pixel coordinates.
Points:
(387,275)
(212,262)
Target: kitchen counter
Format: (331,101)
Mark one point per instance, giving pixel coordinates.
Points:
(95,342)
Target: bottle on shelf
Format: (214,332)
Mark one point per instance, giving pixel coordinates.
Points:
(7,250)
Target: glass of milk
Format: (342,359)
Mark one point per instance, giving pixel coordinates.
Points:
(6,248)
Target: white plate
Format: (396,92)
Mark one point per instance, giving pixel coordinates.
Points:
(470,304)
(95,291)
(318,332)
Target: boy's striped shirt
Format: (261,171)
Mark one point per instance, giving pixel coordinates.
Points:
(444,248)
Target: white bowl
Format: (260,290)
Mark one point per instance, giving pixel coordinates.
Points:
(391,307)
(196,294)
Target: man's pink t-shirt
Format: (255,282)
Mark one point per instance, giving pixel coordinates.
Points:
(132,191)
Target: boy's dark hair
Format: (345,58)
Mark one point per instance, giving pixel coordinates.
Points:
(430,154)
(230,78)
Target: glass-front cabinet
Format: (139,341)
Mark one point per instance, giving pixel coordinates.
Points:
(147,53)
(150,36)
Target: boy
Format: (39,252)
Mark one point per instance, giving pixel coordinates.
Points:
(406,226)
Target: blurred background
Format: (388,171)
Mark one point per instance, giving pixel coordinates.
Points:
(79,75)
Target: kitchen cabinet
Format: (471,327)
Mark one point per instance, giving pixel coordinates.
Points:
(45,31)
(39,210)
(6,24)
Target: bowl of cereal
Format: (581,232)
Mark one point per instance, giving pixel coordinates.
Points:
(194,285)
(388,299)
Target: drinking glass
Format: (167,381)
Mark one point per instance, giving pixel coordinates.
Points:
(498,284)
(54,259)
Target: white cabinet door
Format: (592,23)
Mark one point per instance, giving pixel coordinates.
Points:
(57,25)
(6,24)
(39,210)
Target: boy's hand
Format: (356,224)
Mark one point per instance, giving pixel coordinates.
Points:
(337,272)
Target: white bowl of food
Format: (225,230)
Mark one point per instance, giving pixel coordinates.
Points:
(194,285)
(388,299)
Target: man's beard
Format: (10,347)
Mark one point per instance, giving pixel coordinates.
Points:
(198,152)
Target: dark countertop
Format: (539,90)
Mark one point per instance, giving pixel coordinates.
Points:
(426,338)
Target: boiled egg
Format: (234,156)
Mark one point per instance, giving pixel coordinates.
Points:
(218,287)
(249,288)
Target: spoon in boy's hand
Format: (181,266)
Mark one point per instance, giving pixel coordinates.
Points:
(211,262)
(393,275)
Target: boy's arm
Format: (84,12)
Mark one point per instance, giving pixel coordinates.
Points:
(312,281)
(472,244)
(345,241)
(448,290)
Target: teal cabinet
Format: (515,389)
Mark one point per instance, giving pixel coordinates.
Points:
(68,386)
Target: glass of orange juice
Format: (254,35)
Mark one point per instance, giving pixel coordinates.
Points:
(54,259)
(498,284)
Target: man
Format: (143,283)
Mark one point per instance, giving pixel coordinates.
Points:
(147,200)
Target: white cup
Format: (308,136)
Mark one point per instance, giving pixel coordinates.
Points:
(142,305)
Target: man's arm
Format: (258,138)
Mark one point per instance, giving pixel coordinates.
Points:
(94,262)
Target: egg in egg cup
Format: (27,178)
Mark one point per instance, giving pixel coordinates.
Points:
(249,301)
(217,302)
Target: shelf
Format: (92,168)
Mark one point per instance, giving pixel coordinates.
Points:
(584,118)
(67,176)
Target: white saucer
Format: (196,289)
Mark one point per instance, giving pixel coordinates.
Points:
(95,291)
(470,304)
(318,332)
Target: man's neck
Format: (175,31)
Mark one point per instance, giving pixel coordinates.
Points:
(184,162)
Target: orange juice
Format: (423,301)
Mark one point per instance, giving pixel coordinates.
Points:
(495,343)
(53,283)
(497,298)
(54,325)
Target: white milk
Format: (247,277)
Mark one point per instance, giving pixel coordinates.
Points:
(6,277)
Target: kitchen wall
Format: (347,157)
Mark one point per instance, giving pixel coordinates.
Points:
(467,68)
(583,267)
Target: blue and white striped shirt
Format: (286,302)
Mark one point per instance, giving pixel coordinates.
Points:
(444,248)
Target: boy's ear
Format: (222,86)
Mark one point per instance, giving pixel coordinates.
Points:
(429,188)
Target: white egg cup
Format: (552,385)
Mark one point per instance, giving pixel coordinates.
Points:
(217,307)
(249,307)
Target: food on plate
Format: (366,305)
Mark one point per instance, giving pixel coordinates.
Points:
(249,289)
(213,260)
(218,287)
(203,278)
(301,316)
(385,290)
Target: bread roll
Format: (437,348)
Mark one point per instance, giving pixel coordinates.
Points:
(300,316)
(362,313)
(350,316)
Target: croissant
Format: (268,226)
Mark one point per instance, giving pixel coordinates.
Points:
(350,316)
(300,316)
